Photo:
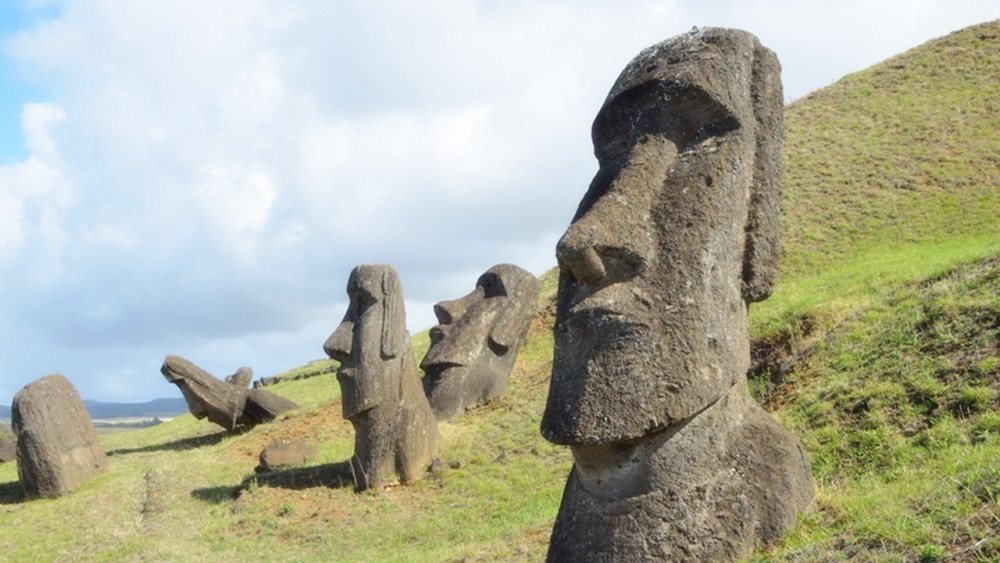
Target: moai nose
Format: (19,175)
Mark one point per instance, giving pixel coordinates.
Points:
(612,240)
(448,311)
(577,251)
(338,345)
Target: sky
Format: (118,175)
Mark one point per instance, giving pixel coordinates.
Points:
(199,177)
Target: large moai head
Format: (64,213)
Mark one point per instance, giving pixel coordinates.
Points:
(474,346)
(370,340)
(677,233)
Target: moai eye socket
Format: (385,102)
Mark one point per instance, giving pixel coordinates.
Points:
(492,285)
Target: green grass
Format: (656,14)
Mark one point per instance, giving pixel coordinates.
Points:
(897,407)
(879,349)
(186,491)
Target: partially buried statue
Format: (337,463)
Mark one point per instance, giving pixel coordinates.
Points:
(676,235)
(395,429)
(57,447)
(227,403)
(474,347)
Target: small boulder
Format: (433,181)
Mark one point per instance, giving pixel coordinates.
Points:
(57,446)
(284,454)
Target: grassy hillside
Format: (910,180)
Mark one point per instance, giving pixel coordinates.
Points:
(898,407)
(879,348)
(902,153)
(185,491)
(891,175)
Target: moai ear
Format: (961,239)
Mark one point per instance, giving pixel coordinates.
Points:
(519,304)
(763,229)
(393,315)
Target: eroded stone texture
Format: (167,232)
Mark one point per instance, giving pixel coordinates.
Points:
(677,233)
(57,446)
(227,403)
(242,378)
(474,346)
(395,429)
(284,454)
(8,452)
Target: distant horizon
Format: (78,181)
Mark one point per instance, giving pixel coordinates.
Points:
(168,406)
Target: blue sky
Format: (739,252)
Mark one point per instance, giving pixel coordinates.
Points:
(198,177)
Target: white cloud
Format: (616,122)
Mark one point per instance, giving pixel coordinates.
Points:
(33,193)
(206,172)
(236,202)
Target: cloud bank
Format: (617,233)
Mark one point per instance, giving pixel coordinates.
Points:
(204,174)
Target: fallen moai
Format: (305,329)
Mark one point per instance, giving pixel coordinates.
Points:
(395,428)
(57,446)
(474,346)
(227,403)
(677,234)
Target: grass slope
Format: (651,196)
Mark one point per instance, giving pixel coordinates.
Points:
(898,407)
(891,175)
(879,348)
(185,491)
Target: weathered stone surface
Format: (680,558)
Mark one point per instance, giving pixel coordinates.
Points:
(57,446)
(284,454)
(227,404)
(263,406)
(8,451)
(677,233)
(395,429)
(242,378)
(474,346)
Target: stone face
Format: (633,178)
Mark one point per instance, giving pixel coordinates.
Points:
(226,403)
(676,235)
(57,446)
(474,346)
(284,454)
(395,429)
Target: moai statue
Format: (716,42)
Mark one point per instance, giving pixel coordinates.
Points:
(395,428)
(57,446)
(677,234)
(474,347)
(228,402)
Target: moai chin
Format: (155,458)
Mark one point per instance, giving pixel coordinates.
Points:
(677,234)
(475,343)
(395,429)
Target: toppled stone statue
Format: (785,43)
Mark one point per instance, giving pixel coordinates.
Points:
(227,403)
(473,348)
(677,234)
(57,446)
(395,429)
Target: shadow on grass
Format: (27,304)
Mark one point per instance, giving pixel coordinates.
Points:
(332,475)
(183,444)
(11,493)
(216,495)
